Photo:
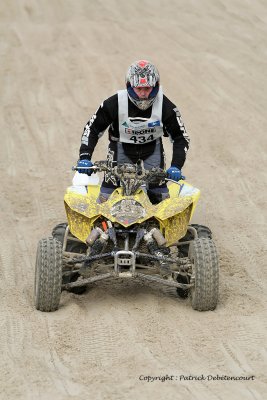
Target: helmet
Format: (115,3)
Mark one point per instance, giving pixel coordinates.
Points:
(142,73)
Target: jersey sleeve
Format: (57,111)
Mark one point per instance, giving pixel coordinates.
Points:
(96,127)
(174,127)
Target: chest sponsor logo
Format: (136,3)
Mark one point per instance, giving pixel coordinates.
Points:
(130,131)
(154,123)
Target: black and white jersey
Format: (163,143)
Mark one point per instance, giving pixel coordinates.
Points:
(139,142)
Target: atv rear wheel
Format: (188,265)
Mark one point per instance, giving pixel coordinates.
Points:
(48,275)
(205,274)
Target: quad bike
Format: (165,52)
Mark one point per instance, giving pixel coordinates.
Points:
(128,237)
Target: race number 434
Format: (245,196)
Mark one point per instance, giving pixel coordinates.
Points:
(142,139)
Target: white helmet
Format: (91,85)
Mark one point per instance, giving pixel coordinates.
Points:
(142,73)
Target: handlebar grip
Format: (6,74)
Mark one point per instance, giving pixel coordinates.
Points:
(75,168)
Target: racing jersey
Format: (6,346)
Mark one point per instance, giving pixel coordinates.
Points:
(141,141)
(140,130)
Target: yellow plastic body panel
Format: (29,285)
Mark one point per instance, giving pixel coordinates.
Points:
(173,214)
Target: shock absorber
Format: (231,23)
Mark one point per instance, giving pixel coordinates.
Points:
(97,240)
(93,235)
(112,234)
(153,247)
(139,236)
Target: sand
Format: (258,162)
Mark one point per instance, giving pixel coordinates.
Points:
(59,61)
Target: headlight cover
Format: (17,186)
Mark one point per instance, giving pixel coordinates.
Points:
(127,211)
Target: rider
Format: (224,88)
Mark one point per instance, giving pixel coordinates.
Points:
(137,117)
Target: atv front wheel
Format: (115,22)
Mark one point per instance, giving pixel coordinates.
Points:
(72,246)
(48,275)
(205,274)
(202,232)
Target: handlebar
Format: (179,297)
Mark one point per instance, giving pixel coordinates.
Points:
(129,172)
(126,168)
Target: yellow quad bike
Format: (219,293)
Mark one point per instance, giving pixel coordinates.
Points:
(128,237)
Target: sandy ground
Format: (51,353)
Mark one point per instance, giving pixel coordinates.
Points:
(59,60)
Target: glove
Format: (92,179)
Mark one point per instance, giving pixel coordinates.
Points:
(174,173)
(87,164)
